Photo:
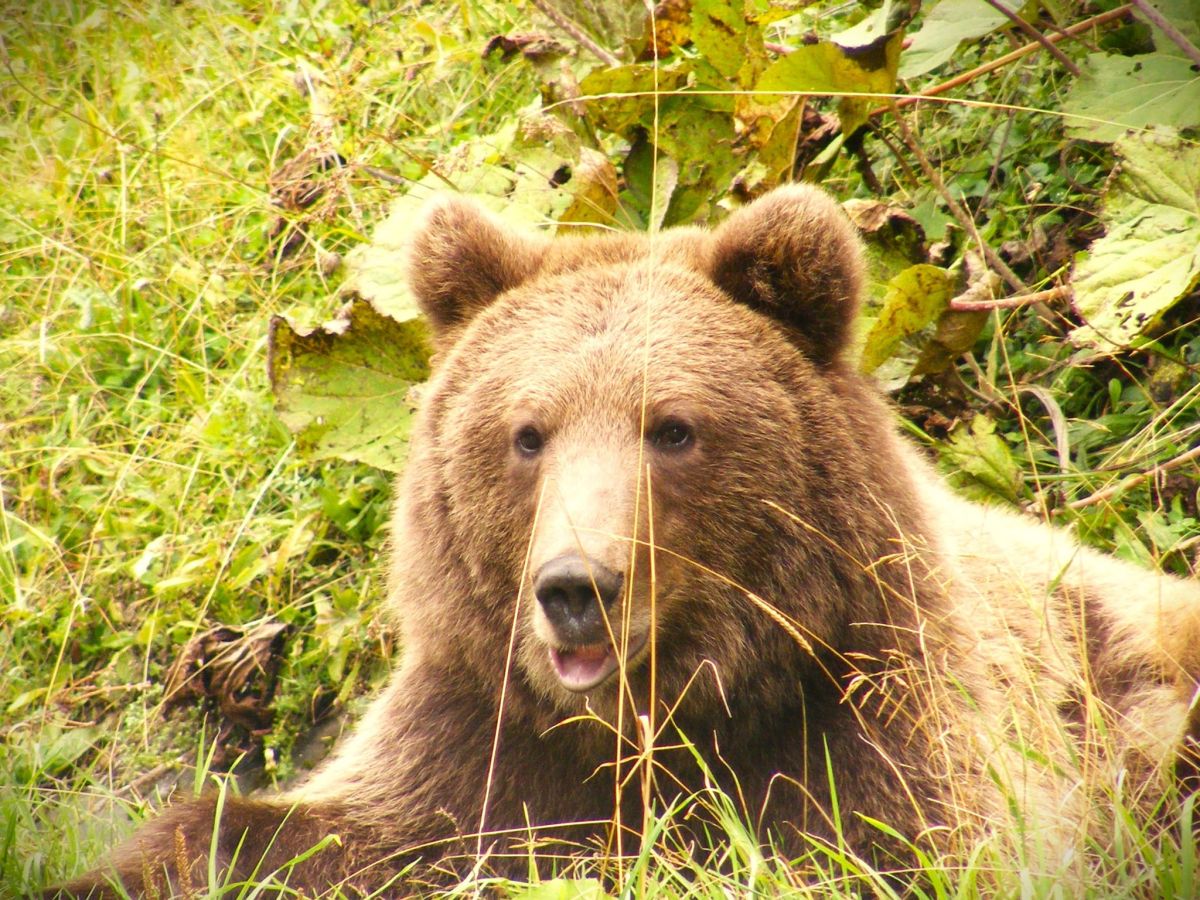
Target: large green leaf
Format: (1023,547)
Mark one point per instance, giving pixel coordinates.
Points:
(728,40)
(344,389)
(829,68)
(695,130)
(823,68)
(1150,256)
(1115,93)
(1183,14)
(914,300)
(946,26)
(982,462)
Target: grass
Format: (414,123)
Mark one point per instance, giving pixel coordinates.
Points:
(148,490)
(148,493)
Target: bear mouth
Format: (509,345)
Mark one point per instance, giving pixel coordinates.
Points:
(588,666)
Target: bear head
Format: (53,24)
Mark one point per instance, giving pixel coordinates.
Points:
(643,464)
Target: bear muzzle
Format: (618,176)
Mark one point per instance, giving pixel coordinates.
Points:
(576,595)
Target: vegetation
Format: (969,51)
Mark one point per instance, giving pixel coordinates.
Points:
(189,578)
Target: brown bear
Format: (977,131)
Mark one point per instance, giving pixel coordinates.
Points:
(658,537)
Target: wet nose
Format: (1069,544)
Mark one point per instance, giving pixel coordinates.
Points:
(575,592)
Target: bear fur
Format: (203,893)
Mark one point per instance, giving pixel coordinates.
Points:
(657,535)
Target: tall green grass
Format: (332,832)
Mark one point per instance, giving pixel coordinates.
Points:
(147,491)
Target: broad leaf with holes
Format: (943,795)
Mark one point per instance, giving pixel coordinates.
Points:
(1150,256)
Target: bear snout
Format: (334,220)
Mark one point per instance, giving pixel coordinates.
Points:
(576,594)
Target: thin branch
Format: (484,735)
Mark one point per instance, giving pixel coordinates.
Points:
(995,263)
(1086,25)
(1036,35)
(1055,293)
(1135,479)
(576,32)
(1161,23)
(382,175)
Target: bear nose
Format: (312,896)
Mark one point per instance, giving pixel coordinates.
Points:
(571,590)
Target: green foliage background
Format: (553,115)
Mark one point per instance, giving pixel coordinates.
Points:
(178,174)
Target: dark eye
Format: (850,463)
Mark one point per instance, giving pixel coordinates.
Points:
(672,435)
(528,441)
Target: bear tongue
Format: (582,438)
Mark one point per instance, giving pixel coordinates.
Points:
(580,668)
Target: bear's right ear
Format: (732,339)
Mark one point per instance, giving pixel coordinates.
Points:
(794,256)
(462,258)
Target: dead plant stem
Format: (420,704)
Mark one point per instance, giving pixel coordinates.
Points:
(964,219)
(1160,22)
(1135,479)
(1054,293)
(1086,25)
(575,32)
(1040,38)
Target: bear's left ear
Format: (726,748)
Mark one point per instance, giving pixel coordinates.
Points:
(794,256)
(462,258)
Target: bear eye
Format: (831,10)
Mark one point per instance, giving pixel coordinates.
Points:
(528,441)
(672,435)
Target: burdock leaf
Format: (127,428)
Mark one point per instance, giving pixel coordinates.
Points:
(1115,93)
(983,461)
(914,300)
(828,68)
(1150,256)
(344,389)
(944,28)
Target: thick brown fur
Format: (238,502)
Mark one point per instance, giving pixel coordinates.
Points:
(799,593)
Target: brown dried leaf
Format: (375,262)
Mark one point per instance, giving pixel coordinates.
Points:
(533,45)
(235,667)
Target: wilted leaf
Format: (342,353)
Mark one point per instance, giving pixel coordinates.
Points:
(957,330)
(235,667)
(894,239)
(533,45)
(727,40)
(946,26)
(1115,93)
(826,68)
(694,130)
(591,186)
(344,389)
(1150,256)
(618,25)
(619,99)
(822,68)
(955,334)
(914,299)
(984,457)
(671,26)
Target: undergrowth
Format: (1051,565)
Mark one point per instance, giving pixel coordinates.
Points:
(150,500)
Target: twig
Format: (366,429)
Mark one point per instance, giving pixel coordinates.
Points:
(375,172)
(1055,293)
(1079,28)
(1135,479)
(995,263)
(1160,22)
(1036,35)
(575,31)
